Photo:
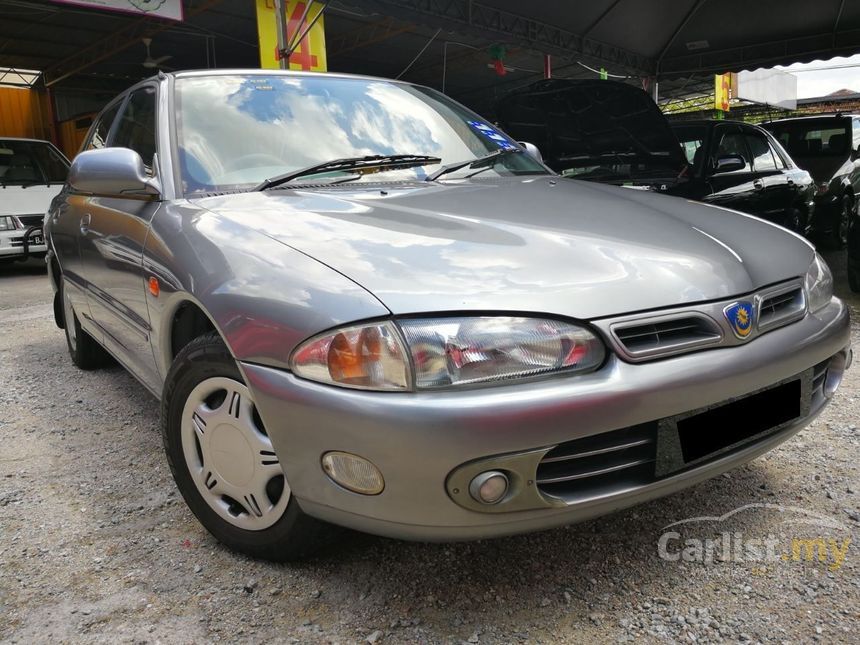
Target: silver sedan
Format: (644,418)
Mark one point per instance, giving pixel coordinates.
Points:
(361,304)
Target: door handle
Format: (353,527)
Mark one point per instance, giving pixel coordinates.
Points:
(758,184)
(85,224)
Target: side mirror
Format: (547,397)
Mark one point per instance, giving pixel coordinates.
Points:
(729,163)
(532,150)
(112,171)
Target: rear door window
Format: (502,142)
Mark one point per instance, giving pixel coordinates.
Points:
(99,136)
(136,126)
(762,155)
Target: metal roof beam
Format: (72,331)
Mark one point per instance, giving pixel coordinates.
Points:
(118,41)
(523,30)
(366,34)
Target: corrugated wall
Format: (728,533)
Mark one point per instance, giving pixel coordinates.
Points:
(24,113)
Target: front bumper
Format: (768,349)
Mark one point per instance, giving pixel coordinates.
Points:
(417,440)
(14,245)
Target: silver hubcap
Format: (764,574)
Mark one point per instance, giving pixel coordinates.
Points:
(230,457)
(69,319)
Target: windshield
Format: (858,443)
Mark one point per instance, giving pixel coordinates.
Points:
(24,163)
(233,132)
(813,137)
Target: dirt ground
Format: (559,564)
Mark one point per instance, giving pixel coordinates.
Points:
(96,544)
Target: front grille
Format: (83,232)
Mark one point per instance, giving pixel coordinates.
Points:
(31,220)
(601,464)
(666,336)
(781,308)
(16,241)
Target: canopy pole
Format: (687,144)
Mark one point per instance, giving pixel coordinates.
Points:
(281,30)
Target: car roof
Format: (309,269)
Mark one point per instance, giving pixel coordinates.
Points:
(196,73)
(25,139)
(809,117)
(710,122)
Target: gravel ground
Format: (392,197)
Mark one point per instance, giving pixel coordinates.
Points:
(97,545)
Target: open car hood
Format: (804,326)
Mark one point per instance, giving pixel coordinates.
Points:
(584,123)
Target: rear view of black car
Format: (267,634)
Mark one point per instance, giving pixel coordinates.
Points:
(611,132)
(827,147)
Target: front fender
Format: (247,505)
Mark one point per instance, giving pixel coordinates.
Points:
(262,296)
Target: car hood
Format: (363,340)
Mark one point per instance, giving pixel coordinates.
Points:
(32,200)
(576,123)
(537,244)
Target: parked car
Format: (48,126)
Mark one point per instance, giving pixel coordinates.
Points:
(32,172)
(829,148)
(611,132)
(360,303)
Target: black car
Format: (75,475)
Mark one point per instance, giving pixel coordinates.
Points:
(612,132)
(826,146)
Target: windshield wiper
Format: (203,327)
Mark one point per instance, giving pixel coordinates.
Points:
(486,160)
(391,162)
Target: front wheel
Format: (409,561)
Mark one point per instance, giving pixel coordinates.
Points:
(223,461)
(85,352)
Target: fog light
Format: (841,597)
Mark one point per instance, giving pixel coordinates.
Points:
(835,371)
(353,472)
(489,487)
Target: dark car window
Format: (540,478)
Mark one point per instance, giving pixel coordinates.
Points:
(820,137)
(99,136)
(762,156)
(136,127)
(30,162)
(692,138)
(731,143)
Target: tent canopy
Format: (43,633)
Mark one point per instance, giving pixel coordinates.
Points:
(681,43)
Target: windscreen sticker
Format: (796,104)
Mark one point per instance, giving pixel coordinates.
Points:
(492,134)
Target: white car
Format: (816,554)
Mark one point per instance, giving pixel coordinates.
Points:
(32,173)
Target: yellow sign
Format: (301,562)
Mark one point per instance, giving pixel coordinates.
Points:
(309,55)
(722,91)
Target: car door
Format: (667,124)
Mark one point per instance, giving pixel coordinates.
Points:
(736,189)
(114,231)
(777,193)
(66,218)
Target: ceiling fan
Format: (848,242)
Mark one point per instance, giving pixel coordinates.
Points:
(149,62)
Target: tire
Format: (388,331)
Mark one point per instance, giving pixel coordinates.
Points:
(86,353)
(854,275)
(839,235)
(204,386)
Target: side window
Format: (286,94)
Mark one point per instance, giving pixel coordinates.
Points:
(856,141)
(779,154)
(761,153)
(99,136)
(136,126)
(731,142)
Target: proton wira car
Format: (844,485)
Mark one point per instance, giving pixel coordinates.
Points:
(361,304)
(32,172)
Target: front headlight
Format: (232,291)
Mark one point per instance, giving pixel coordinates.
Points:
(367,357)
(447,352)
(7,223)
(819,284)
